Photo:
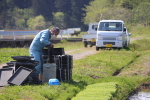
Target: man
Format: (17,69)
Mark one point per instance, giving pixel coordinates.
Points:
(41,40)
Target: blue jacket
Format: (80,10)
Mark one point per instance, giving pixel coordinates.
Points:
(41,40)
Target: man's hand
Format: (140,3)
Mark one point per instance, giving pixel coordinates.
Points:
(51,45)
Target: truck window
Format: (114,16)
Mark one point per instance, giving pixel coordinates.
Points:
(94,26)
(110,26)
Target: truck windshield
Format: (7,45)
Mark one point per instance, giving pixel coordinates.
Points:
(110,26)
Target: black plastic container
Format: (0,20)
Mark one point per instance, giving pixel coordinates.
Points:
(64,65)
(51,53)
(5,74)
(19,76)
(21,58)
(54,51)
(64,74)
(28,64)
(58,51)
(34,78)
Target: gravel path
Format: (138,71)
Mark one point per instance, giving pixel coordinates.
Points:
(77,56)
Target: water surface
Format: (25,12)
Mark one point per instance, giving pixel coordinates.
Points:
(143,94)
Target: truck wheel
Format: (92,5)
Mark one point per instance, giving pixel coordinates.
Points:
(126,44)
(85,45)
(97,48)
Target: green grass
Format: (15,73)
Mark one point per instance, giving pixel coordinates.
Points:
(103,64)
(40,92)
(139,67)
(6,53)
(140,45)
(140,31)
(69,45)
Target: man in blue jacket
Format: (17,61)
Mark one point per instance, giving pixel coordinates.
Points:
(41,40)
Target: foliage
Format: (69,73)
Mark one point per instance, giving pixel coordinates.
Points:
(81,33)
(18,17)
(46,8)
(59,20)
(95,9)
(64,41)
(70,14)
(141,13)
(72,11)
(37,23)
(131,12)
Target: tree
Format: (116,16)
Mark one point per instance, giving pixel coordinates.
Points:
(73,11)
(118,13)
(44,8)
(94,10)
(106,9)
(63,6)
(78,12)
(6,21)
(22,4)
(142,13)
(59,20)
(36,23)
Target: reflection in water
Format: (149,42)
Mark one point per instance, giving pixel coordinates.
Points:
(144,94)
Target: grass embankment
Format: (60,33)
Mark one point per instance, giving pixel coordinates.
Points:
(108,75)
(6,53)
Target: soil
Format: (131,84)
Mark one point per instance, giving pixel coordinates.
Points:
(77,56)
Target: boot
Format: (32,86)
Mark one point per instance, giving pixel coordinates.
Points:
(40,77)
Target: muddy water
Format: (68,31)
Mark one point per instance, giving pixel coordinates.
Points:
(143,94)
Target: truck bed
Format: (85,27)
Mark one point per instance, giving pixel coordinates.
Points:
(88,36)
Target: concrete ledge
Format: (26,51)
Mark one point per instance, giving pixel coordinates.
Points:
(4,43)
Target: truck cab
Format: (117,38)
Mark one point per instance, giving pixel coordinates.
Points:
(112,34)
(92,28)
(90,37)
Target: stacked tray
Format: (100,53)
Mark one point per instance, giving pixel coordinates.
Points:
(64,65)
(20,58)
(5,74)
(18,71)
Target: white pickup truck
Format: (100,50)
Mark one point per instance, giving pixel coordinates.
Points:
(112,34)
(90,37)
